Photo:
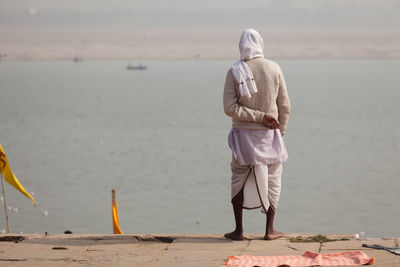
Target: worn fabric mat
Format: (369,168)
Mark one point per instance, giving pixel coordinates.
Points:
(394,250)
(354,257)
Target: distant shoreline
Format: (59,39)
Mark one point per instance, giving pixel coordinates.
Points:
(185,43)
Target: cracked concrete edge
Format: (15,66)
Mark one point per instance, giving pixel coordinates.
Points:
(244,250)
(158,258)
(140,237)
(165,238)
(81,254)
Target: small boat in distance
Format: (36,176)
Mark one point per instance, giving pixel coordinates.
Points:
(138,67)
(78,58)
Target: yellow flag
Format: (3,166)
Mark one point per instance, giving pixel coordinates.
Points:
(116,228)
(9,176)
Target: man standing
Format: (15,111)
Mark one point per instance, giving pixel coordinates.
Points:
(256,98)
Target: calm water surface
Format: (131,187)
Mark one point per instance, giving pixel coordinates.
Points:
(73,132)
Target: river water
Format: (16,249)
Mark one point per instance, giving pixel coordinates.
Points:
(73,131)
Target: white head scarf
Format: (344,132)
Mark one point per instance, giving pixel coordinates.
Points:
(251,45)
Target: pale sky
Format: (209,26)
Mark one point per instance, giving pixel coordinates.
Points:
(204,13)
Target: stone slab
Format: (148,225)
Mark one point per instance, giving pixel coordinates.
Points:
(164,249)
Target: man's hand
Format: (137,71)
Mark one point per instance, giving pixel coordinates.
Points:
(270,122)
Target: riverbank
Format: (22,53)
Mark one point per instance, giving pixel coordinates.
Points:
(167,249)
(127,43)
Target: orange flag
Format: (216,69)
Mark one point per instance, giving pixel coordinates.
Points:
(10,177)
(116,228)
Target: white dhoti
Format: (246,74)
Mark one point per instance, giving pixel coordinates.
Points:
(257,167)
(261,184)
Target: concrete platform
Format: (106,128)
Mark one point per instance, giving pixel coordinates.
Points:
(165,250)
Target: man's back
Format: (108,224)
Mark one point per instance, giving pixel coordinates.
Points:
(271,99)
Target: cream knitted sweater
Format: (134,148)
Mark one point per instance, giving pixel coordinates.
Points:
(272,97)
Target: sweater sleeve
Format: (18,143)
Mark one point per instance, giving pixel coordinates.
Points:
(231,106)
(283,103)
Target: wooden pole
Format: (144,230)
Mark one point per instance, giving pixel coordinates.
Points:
(5,203)
(112,208)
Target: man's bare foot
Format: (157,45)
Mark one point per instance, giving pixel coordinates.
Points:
(234,236)
(274,235)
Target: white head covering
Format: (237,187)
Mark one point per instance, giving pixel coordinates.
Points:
(251,45)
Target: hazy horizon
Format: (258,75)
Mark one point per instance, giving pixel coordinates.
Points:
(177,29)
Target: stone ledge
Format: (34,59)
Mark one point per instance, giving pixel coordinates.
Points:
(166,249)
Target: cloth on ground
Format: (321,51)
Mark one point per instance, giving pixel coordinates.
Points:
(394,250)
(348,258)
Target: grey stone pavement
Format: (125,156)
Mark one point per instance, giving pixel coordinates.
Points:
(165,250)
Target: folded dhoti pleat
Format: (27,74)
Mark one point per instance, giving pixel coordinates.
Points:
(262,188)
(261,184)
